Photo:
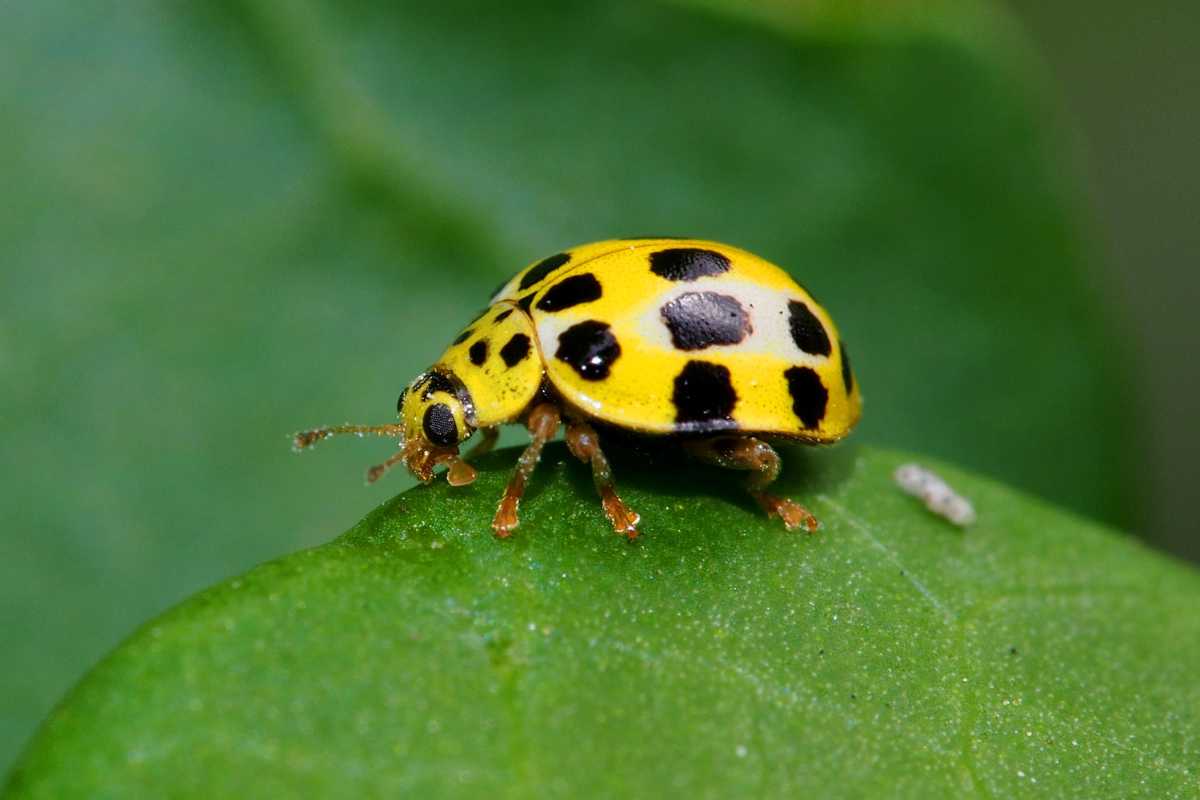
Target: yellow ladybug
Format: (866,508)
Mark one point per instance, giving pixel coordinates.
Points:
(689,341)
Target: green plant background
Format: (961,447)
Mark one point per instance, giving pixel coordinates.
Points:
(225,221)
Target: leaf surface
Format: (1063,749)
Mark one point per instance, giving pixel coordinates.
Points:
(891,654)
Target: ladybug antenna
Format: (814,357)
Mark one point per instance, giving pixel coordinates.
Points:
(305,439)
(376,472)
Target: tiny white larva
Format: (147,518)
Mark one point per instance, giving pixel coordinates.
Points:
(935,493)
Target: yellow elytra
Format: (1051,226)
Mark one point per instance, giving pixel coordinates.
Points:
(689,341)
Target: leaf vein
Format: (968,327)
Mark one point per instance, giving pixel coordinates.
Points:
(864,530)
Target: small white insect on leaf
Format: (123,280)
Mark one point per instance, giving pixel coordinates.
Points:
(937,495)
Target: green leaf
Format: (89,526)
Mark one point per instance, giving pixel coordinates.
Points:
(890,655)
(225,221)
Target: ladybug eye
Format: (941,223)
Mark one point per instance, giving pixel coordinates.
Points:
(400,402)
(439,425)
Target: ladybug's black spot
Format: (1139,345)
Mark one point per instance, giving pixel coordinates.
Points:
(704,397)
(589,348)
(807,331)
(478,352)
(503,315)
(515,350)
(541,269)
(434,382)
(809,395)
(462,337)
(439,426)
(847,375)
(525,302)
(702,319)
(687,263)
(569,292)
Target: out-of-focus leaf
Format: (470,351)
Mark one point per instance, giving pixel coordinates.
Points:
(891,655)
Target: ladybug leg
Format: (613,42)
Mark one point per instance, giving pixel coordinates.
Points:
(749,453)
(487,442)
(542,422)
(584,444)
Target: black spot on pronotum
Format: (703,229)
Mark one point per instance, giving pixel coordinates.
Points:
(503,315)
(698,320)
(524,302)
(809,395)
(569,292)
(847,375)
(687,263)
(439,426)
(704,397)
(589,348)
(515,350)
(462,337)
(434,382)
(807,331)
(400,401)
(541,269)
(478,352)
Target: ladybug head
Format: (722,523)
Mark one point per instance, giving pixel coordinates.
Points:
(436,414)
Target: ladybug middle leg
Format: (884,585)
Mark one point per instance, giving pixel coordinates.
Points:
(542,422)
(749,453)
(584,444)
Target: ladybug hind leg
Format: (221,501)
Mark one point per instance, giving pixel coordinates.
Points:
(584,444)
(542,422)
(755,455)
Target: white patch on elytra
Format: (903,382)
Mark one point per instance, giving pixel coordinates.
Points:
(767,309)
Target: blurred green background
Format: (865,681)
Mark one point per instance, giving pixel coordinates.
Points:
(225,221)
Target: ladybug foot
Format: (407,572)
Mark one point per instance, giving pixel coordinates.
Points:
(792,513)
(506,517)
(584,444)
(623,518)
(542,424)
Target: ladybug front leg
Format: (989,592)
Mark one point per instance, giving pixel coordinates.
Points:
(487,442)
(585,445)
(542,422)
(749,453)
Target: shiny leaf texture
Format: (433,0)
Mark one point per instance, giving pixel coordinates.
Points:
(889,655)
